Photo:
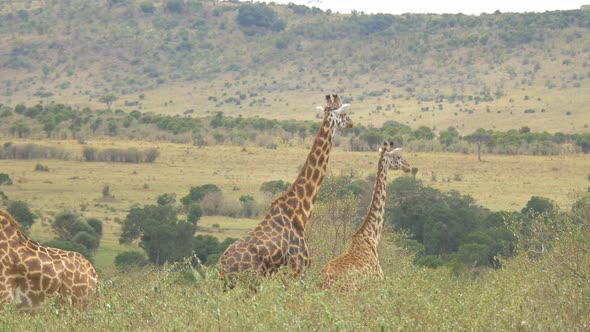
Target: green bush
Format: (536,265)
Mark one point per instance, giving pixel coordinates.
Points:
(261,16)
(130,259)
(147,7)
(21,212)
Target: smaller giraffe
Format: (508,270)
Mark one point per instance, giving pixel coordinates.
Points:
(361,256)
(31,273)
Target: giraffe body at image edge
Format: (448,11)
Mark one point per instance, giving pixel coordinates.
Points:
(280,239)
(361,255)
(31,273)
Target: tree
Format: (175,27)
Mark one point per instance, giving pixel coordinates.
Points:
(96,225)
(196,194)
(67,224)
(479,137)
(373,137)
(108,99)
(167,199)
(261,16)
(174,6)
(195,212)
(89,240)
(274,187)
(160,233)
(540,205)
(424,133)
(21,212)
(449,136)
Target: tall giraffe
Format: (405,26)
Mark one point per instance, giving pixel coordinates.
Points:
(280,238)
(361,255)
(30,273)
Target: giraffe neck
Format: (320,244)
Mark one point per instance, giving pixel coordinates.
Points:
(307,184)
(372,227)
(10,230)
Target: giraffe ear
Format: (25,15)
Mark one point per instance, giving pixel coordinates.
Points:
(397,152)
(343,109)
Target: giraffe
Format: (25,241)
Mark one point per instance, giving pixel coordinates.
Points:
(361,255)
(31,273)
(280,239)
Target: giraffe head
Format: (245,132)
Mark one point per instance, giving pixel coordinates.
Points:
(393,158)
(336,112)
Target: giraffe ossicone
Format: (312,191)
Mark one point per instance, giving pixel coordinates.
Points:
(361,259)
(31,274)
(280,239)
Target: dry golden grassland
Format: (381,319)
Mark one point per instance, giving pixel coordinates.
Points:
(498,182)
(550,105)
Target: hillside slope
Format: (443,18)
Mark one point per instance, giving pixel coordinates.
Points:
(496,71)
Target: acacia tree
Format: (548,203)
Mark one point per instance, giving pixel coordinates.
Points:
(479,137)
(108,99)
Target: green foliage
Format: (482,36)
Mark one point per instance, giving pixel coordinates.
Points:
(174,6)
(67,225)
(208,248)
(274,187)
(147,7)
(230,130)
(108,99)
(195,212)
(5,179)
(249,206)
(539,205)
(370,24)
(130,259)
(90,241)
(96,225)
(163,237)
(423,133)
(196,194)
(449,136)
(449,225)
(260,16)
(373,137)
(41,168)
(340,186)
(21,212)
(167,199)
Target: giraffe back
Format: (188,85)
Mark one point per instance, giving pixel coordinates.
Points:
(31,273)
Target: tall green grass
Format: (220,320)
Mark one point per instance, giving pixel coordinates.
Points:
(525,294)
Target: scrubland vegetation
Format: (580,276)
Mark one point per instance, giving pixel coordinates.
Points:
(533,290)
